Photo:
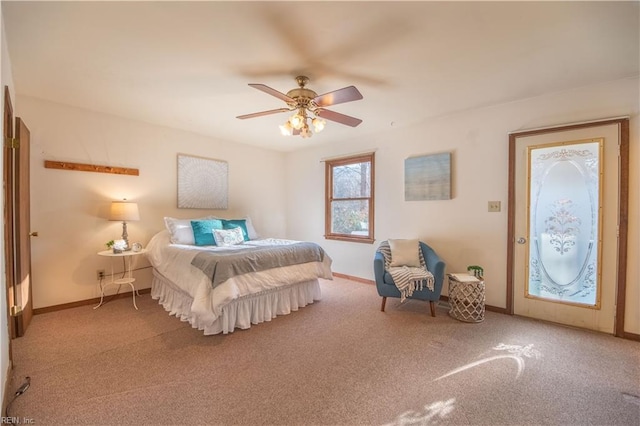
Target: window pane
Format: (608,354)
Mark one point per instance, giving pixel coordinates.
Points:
(350,217)
(352,180)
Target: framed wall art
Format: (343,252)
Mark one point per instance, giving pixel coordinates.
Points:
(427,177)
(203,183)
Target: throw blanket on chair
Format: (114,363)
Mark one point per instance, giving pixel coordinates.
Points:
(408,279)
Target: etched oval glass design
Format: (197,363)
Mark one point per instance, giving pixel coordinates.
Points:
(563,222)
(564,225)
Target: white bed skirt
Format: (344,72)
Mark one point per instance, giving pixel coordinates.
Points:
(239,313)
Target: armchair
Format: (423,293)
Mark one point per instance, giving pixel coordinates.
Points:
(387,288)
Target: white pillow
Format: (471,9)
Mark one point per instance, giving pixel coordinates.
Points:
(181,230)
(228,237)
(405,253)
(253,235)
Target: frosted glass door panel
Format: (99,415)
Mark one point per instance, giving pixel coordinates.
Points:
(566,210)
(564,222)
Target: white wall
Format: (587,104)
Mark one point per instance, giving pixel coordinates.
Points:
(460,230)
(6,79)
(69,208)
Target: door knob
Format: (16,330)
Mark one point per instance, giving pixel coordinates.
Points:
(521,240)
(33,234)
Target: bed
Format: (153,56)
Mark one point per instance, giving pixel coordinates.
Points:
(218,289)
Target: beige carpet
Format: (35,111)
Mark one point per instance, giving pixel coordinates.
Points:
(339,361)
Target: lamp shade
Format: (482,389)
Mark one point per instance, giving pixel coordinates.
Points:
(124,211)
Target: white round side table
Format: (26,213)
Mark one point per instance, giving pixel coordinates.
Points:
(127,277)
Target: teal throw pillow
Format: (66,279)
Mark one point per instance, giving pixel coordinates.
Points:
(237,223)
(203,231)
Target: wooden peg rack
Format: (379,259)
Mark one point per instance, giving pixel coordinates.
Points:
(64,165)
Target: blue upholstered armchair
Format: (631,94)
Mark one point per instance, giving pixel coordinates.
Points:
(387,288)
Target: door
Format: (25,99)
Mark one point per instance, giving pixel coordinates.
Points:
(17,222)
(22,218)
(567,189)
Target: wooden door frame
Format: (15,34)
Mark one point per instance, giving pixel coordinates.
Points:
(8,214)
(623,213)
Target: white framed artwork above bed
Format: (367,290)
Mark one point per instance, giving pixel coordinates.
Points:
(219,275)
(203,183)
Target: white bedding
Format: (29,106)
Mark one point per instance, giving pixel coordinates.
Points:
(173,262)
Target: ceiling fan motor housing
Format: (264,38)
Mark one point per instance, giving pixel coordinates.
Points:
(302,97)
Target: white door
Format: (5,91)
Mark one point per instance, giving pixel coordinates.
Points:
(566,210)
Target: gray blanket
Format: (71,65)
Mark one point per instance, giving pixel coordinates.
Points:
(222,265)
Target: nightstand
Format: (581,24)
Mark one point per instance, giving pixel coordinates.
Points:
(127,277)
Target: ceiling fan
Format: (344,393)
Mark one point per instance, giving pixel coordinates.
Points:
(308,105)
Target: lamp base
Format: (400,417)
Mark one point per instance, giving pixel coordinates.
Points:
(125,237)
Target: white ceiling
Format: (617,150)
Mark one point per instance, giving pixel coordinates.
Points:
(186,65)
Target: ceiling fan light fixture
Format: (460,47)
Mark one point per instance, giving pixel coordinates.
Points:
(318,124)
(297,120)
(286,129)
(305,132)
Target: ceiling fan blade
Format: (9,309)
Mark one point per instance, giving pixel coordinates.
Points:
(260,114)
(346,94)
(338,118)
(272,92)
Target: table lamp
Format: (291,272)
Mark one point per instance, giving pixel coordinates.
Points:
(124,211)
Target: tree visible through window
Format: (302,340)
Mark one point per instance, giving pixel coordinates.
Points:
(349,198)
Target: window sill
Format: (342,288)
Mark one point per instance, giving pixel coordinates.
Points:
(351,238)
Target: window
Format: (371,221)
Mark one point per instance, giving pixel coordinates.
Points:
(349,198)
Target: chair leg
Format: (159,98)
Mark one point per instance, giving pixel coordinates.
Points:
(433,308)
(384,301)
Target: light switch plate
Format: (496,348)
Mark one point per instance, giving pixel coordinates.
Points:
(494,206)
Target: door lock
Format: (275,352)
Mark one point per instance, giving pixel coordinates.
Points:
(521,240)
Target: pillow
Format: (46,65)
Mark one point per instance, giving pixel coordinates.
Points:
(237,223)
(203,231)
(180,229)
(405,253)
(253,235)
(228,237)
